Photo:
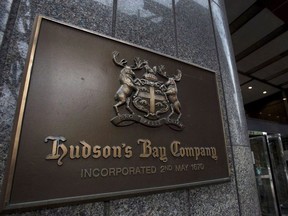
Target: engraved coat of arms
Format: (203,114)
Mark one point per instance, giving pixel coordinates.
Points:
(148,100)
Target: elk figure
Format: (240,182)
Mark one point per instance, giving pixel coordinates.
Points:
(126,78)
(171,91)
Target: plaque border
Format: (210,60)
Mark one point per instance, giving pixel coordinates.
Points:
(5,206)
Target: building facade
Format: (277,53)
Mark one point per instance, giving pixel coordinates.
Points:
(195,31)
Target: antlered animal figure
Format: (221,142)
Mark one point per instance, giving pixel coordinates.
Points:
(126,78)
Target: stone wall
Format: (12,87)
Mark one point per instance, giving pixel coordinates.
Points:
(192,30)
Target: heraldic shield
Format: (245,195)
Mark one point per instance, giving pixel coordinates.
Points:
(155,99)
(151,99)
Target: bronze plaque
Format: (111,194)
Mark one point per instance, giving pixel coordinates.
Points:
(101,118)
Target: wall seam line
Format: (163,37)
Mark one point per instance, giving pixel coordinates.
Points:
(188,198)
(106,208)
(175,27)
(114,17)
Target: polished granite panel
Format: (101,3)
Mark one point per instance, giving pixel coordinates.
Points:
(7,110)
(3,21)
(90,209)
(164,204)
(247,189)
(4,13)
(245,178)
(222,104)
(147,23)
(233,97)
(5,7)
(95,15)
(3,159)
(220,199)
(1,36)
(195,38)
(220,3)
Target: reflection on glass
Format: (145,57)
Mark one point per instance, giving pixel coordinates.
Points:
(263,176)
(279,169)
(140,8)
(105,2)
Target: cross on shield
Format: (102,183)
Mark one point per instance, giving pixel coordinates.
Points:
(151,99)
